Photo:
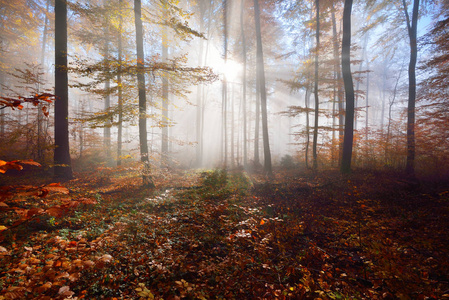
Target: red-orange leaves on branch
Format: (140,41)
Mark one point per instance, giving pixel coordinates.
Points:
(16,165)
(43,99)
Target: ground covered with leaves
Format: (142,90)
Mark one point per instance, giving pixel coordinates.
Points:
(227,235)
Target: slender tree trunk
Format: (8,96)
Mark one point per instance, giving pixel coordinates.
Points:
(199,95)
(225,85)
(263,93)
(232,103)
(245,133)
(63,165)
(412,32)
(107,96)
(349,88)
(307,100)
(120,88)
(357,86)
(40,117)
(164,142)
(146,177)
(317,101)
(390,106)
(367,102)
(257,126)
(336,87)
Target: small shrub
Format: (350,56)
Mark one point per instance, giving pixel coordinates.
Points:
(287,162)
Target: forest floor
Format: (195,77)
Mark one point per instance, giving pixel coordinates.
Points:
(218,235)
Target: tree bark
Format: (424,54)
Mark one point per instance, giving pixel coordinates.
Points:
(62,160)
(263,93)
(349,88)
(143,139)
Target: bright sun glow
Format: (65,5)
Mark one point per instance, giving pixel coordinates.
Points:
(232,69)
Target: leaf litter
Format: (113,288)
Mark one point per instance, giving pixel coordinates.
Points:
(221,235)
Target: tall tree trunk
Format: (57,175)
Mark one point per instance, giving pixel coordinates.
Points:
(120,88)
(40,119)
(367,102)
(412,32)
(166,123)
(263,93)
(107,88)
(257,126)
(306,104)
(390,106)
(245,133)
(199,94)
(225,85)
(317,101)
(357,85)
(63,165)
(349,88)
(232,103)
(146,177)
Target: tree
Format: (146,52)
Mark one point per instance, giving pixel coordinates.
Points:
(119,86)
(107,85)
(242,32)
(260,73)
(63,169)
(225,86)
(349,88)
(165,122)
(317,101)
(146,177)
(412,31)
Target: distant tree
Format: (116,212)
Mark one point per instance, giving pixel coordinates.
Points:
(245,134)
(349,88)
(62,160)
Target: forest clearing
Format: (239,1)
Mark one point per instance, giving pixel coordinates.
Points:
(230,235)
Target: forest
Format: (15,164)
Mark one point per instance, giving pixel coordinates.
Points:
(224,149)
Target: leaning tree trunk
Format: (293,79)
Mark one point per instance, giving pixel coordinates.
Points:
(63,168)
(146,177)
(349,89)
(263,93)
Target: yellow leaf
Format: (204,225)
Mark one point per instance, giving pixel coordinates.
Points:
(3,227)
